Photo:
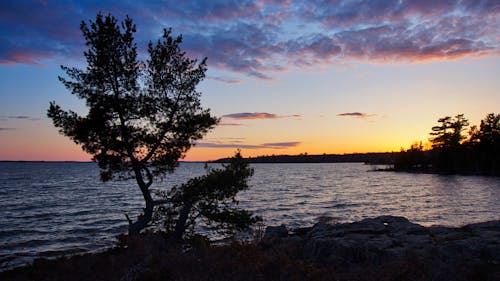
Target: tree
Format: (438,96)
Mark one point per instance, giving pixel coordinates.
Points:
(485,142)
(413,159)
(446,143)
(449,134)
(142,116)
(208,200)
(489,130)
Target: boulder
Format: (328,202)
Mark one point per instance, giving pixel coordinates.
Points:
(388,239)
(372,239)
(274,233)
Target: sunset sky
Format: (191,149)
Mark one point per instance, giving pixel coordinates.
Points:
(286,77)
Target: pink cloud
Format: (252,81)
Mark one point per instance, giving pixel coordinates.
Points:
(260,39)
(258,115)
(359,115)
(272,145)
(251,116)
(225,80)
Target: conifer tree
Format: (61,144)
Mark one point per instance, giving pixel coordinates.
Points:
(142,116)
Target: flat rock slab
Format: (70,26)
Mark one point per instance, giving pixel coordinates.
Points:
(388,238)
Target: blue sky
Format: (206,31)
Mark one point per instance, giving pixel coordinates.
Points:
(285,76)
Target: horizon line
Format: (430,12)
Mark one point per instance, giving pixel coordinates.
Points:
(203,161)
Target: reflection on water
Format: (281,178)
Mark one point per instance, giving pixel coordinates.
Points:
(300,193)
(49,209)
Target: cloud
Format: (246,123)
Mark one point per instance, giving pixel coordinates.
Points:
(23,117)
(240,47)
(45,33)
(258,115)
(225,80)
(279,145)
(229,124)
(275,145)
(359,115)
(251,116)
(261,38)
(226,145)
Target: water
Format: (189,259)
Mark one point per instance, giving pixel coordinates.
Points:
(54,209)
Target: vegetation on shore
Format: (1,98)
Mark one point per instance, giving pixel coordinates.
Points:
(454,152)
(370,158)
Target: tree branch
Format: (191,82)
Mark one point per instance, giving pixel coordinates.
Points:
(149,176)
(164,132)
(128,219)
(161,202)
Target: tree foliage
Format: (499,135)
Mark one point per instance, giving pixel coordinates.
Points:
(413,159)
(454,152)
(209,201)
(449,134)
(489,131)
(142,115)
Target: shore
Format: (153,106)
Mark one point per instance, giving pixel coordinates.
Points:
(382,248)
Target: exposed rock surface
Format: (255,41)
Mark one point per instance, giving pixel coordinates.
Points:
(273,233)
(384,248)
(389,238)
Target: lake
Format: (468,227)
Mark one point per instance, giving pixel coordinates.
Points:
(54,209)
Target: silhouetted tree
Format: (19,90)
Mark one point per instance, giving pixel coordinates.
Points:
(142,116)
(489,130)
(452,152)
(446,143)
(485,143)
(413,159)
(208,200)
(449,133)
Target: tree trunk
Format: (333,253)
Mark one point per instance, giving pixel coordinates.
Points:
(180,226)
(144,218)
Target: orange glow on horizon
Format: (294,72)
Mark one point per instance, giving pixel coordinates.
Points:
(208,154)
(196,154)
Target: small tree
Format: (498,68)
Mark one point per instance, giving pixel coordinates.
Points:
(143,116)
(208,200)
(412,159)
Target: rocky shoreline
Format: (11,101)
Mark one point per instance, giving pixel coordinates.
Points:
(388,238)
(381,248)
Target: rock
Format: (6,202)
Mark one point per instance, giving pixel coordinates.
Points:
(388,238)
(274,233)
(301,231)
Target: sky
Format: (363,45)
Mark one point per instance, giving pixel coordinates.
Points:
(285,77)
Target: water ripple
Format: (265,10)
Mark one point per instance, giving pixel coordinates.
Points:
(53,209)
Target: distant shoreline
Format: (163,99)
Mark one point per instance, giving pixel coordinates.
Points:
(376,158)
(41,161)
(76,162)
(382,158)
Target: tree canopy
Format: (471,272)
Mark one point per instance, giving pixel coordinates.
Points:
(453,152)
(449,133)
(208,200)
(143,116)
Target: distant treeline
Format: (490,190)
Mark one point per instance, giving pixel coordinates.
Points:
(453,151)
(369,158)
